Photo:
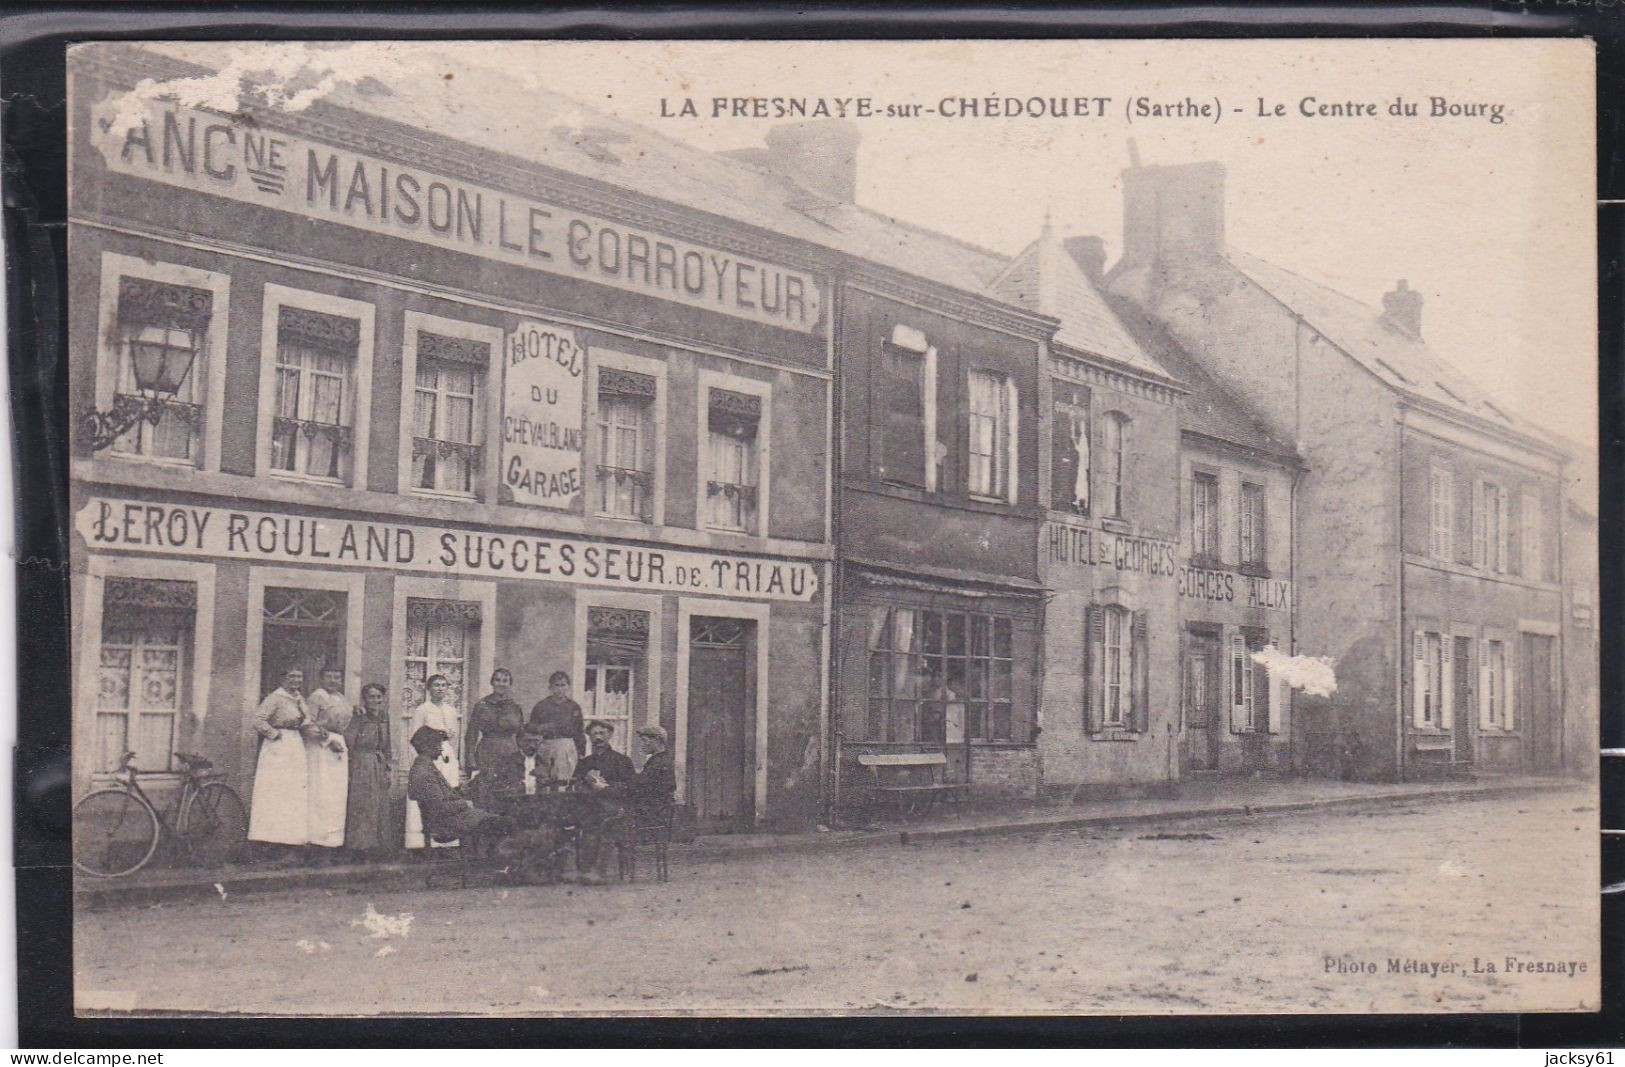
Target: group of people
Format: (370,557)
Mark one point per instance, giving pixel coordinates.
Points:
(322,779)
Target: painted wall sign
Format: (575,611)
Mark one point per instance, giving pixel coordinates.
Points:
(1086,547)
(211,153)
(261,537)
(543,368)
(1100,548)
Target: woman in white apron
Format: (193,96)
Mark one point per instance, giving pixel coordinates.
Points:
(278,811)
(439,713)
(326,762)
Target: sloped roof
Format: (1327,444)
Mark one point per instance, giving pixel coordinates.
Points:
(1207,407)
(1045,278)
(489,107)
(1399,360)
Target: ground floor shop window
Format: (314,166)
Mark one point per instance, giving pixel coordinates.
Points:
(442,638)
(303,630)
(143,689)
(925,665)
(617,670)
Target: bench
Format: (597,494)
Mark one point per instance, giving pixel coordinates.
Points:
(896,775)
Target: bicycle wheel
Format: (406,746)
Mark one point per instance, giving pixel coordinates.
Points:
(214,825)
(114,833)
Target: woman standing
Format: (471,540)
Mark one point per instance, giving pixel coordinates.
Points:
(327,762)
(437,713)
(367,805)
(277,813)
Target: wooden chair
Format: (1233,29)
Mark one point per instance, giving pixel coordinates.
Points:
(444,849)
(650,828)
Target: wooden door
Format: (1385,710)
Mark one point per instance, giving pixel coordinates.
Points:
(1536,703)
(1463,709)
(1203,717)
(721,735)
(303,628)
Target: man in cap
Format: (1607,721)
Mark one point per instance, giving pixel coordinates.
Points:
(653,790)
(445,813)
(604,764)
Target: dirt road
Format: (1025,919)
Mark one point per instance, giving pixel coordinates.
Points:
(1381,910)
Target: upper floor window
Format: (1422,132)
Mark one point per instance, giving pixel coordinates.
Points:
(1069,450)
(626,448)
(992,422)
(1204,516)
(1113,458)
(448,402)
(1441,512)
(1533,543)
(732,485)
(163,323)
(1252,538)
(312,432)
(901,402)
(1490,527)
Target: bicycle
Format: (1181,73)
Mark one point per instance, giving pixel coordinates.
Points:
(117,829)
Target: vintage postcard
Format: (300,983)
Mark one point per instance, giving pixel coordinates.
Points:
(821,527)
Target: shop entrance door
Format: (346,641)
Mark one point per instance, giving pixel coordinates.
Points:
(1203,720)
(1462,704)
(721,723)
(1536,697)
(303,628)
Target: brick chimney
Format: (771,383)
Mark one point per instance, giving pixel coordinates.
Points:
(1402,309)
(1172,212)
(1088,253)
(819,156)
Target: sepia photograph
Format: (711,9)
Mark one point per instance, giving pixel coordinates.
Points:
(844,528)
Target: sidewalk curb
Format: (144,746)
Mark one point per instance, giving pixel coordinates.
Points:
(405,875)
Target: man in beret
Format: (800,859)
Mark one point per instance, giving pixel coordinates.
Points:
(445,813)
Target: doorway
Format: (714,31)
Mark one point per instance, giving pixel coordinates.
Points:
(304,629)
(1536,696)
(721,723)
(1461,696)
(1203,721)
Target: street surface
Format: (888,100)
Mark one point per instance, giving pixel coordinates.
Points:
(1288,913)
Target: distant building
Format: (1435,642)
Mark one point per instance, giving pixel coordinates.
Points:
(1427,548)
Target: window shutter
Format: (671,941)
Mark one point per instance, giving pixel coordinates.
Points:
(1509,717)
(1184,691)
(1141,677)
(1484,684)
(1464,522)
(1238,685)
(1012,443)
(1094,636)
(1447,671)
(1479,547)
(1263,707)
(1514,533)
(1419,673)
(1279,695)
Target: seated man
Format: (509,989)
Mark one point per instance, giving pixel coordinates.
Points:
(653,791)
(605,764)
(446,814)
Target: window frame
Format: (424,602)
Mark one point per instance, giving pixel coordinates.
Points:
(708,380)
(276,297)
(1252,551)
(1111,485)
(492,336)
(1123,681)
(1001,387)
(1532,536)
(1441,511)
(912,342)
(1210,551)
(1491,501)
(110,359)
(1075,408)
(599,359)
(918,665)
(92,585)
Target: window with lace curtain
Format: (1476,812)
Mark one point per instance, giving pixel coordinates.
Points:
(311,430)
(733,423)
(142,680)
(160,321)
(625,476)
(448,432)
